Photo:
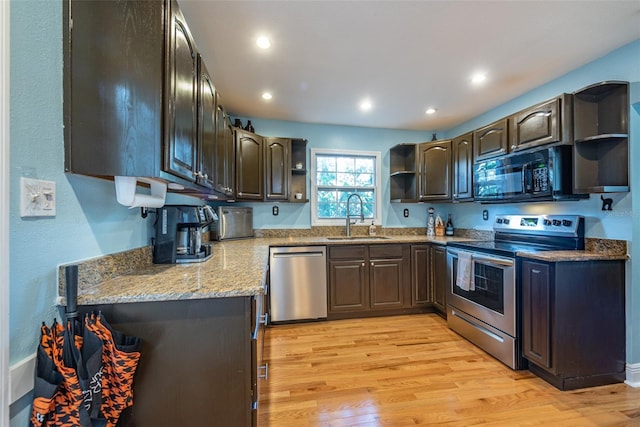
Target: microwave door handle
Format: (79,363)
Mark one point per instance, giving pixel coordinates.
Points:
(524,178)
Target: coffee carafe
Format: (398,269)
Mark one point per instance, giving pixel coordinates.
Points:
(182,234)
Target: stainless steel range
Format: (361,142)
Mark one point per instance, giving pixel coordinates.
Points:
(483,298)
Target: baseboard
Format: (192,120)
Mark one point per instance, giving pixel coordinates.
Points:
(21,377)
(633,375)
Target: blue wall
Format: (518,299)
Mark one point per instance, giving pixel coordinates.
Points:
(89,222)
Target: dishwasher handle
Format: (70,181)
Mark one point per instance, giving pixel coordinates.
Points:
(296,254)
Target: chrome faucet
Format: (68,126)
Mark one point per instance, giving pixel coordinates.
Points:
(349,213)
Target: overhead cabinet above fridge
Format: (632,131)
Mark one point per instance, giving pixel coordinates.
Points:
(138,99)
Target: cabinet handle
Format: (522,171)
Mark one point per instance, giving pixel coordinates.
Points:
(264,368)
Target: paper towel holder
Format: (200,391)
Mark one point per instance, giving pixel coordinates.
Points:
(126,192)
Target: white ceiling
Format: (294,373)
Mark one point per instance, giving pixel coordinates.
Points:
(326,56)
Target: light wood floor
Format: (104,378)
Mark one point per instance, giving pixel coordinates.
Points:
(414,371)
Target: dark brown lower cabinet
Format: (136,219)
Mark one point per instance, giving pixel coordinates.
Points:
(197,364)
(420,276)
(439,282)
(368,279)
(574,322)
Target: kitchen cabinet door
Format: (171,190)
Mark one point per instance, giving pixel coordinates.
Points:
(386,283)
(435,171)
(491,140)
(545,123)
(225,153)
(249,166)
(182,94)
(207,127)
(347,285)
(277,168)
(420,276)
(463,167)
(536,313)
(438,264)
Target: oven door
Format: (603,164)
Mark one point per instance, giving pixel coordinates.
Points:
(489,295)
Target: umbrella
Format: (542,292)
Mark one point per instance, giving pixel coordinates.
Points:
(84,370)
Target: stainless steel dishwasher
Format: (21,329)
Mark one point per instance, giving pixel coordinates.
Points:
(298,283)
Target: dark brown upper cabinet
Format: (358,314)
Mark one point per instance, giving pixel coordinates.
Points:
(601,130)
(249,166)
(463,167)
(182,94)
(225,158)
(545,123)
(491,140)
(207,117)
(435,170)
(277,168)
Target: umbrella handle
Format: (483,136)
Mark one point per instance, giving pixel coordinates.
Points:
(71,276)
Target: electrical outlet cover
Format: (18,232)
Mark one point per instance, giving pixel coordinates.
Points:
(37,198)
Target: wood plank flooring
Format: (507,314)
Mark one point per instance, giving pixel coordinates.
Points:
(414,371)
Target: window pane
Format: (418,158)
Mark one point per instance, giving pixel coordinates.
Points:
(364,164)
(346,179)
(364,180)
(326,178)
(346,164)
(326,164)
(327,196)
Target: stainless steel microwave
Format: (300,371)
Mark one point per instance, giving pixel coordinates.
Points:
(537,175)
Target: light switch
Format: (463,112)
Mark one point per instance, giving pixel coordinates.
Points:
(37,198)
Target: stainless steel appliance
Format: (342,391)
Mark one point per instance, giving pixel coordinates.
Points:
(234,223)
(181,234)
(540,174)
(298,283)
(483,297)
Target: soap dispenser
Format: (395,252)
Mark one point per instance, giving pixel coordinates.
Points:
(372,229)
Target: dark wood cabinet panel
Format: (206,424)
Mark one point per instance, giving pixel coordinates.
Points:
(249,166)
(403,161)
(435,171)
(277,168)
(182,94)
(225,158)
(491,140)
(536,303)
(207,127)
(540,124)
(386,283)
(196,360)
(574,321)
(463,167)
(439,282)
(420,276)
(347,286)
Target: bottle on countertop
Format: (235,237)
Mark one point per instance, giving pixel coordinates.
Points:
(431,223)
(372,229)
(448,229)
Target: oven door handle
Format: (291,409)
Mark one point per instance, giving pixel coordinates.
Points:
(498,262)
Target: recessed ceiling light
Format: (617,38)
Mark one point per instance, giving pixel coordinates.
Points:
(266,96)
(478,78)
(263,42)
(366,105)
(430,111)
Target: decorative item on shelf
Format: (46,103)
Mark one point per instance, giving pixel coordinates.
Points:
(298,196)
(431,223)
(237,123)
(434,137)
(439,226)
(448,229)
(249,126)
(299,165)
(606,203)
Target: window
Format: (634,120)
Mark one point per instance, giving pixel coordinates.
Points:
(335,175)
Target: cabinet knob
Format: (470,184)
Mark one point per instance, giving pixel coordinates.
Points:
(371,263)
(363,264)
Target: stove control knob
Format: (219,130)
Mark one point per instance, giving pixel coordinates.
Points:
(547,222)
(566,222)
(557,222)
(499,220)
(506,221)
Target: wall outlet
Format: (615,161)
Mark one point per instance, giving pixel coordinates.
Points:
(37,198)
(275,211)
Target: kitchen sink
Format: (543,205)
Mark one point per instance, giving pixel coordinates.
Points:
(357,237)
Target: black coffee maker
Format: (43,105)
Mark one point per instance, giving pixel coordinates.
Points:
(182,234)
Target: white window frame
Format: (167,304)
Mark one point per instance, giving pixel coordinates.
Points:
(315,221)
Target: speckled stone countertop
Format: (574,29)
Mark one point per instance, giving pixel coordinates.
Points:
(239,267)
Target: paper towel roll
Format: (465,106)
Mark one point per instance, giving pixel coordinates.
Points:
(126,192)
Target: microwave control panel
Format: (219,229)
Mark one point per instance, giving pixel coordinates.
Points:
(540,179)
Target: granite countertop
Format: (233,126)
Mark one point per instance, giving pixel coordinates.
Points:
(237,268)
